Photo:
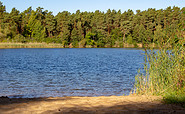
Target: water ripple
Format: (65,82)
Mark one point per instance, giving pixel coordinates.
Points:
(68,72)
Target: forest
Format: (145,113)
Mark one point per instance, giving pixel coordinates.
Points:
(91,29)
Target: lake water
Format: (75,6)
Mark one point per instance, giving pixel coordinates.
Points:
(28,73)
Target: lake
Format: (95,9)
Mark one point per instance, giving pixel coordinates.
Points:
(30,73)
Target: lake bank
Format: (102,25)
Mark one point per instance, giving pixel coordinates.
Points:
(57,45)
(30,45)
(100,105)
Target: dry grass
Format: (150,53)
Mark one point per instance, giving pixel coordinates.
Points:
(30,45)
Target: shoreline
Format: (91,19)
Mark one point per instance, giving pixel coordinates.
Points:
(7,45)
(92,105)
(29,45)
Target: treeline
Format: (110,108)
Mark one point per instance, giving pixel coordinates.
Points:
(91,29)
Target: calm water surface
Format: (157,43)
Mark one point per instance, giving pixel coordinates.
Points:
(68,72)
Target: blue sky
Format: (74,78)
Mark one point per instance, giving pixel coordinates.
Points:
(90,5)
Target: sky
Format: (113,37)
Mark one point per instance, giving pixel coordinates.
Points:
(90,5)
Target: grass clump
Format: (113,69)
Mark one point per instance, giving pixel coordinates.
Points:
(164,71)
(176,97)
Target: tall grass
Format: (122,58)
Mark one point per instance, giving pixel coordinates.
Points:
(164,71)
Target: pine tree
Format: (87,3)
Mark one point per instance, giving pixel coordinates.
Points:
(50,24)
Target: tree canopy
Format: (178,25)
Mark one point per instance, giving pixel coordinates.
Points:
(95,29)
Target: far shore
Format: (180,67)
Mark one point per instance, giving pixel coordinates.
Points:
(4,45)
(30,45)
(90,105)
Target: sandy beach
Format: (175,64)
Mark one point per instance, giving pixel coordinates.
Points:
(88,105)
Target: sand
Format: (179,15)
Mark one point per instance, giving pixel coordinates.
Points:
(88,105)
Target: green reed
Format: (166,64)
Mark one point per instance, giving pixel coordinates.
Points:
(164,72)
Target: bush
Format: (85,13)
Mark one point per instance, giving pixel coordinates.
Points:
(20,38)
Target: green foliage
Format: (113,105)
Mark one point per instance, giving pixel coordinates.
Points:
(52,40)
(38,31)
(50,24)
(130,40)
(99,29)
(20,38)
(90,39)
(175,97)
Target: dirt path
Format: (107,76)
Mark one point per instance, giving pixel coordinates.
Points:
(88,105)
